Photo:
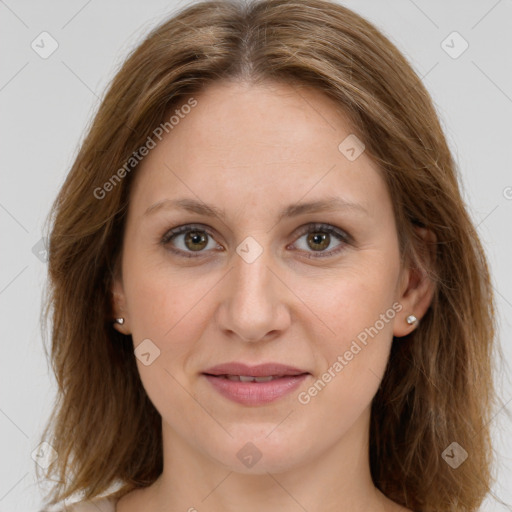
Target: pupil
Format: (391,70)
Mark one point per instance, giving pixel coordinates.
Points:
(196,238)
(317,239)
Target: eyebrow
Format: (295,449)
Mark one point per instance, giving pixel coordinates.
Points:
(329,204)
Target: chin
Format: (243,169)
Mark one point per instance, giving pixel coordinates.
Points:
(254,452)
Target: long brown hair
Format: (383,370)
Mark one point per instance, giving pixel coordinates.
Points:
(437,388)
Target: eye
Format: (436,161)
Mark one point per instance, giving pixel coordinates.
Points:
(195,239)
(319,238)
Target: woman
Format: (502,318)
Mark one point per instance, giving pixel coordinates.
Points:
(265,288)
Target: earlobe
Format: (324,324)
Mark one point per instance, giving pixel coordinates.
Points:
(119,325)
(415,301)
(120,314)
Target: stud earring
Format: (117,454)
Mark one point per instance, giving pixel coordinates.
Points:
(411,319)
(119,321)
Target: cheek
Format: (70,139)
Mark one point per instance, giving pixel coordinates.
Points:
(353,361)
(354,332)
(160,300)
(161,309)
(346,302)
(164,308)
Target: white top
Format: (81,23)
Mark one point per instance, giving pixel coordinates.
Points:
(96,505)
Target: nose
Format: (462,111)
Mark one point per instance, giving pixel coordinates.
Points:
(253,306)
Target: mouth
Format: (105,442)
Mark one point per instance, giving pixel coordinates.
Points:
(249,378)
(254,385)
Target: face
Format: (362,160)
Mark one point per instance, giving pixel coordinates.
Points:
(314,295)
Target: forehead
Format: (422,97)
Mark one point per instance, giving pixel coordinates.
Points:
(248,144)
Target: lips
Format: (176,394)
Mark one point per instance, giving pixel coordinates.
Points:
(254,385)
(261,370)
(248,378)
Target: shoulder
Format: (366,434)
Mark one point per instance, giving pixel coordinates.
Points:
(96,505)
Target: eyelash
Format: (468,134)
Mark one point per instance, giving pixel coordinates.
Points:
(341,235)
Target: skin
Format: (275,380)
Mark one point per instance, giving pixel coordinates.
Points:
(252,150)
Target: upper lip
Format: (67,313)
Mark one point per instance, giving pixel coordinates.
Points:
(260,370)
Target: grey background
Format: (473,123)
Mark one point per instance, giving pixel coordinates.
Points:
(46,104)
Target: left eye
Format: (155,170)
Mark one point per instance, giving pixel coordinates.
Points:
(319,237)
(195,239)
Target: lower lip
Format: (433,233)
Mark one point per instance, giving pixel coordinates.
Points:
(256,393)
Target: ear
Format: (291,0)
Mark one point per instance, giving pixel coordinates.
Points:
(119,308)
(416,288)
